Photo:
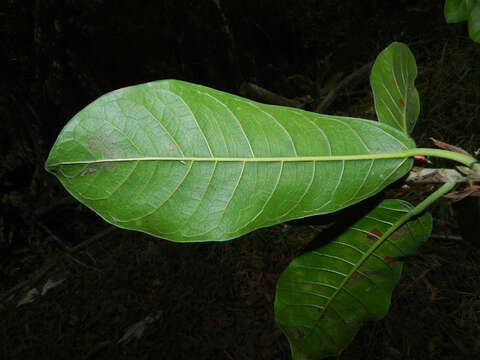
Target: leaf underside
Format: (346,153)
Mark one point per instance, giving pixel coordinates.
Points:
(124,141)
(392,80)
(324,296)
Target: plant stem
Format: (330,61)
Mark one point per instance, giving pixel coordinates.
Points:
(445,154)
(442,190)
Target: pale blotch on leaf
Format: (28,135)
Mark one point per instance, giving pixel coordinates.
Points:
(102,146)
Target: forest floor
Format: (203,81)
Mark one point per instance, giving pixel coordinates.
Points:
(215,300)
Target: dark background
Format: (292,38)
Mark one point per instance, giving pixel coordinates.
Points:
(215,300)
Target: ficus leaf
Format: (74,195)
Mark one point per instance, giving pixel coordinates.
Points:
(392,79)
(325,295)
(188,163)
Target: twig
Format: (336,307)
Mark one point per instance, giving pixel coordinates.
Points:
(74,259)
(350,79)
(53,236)
(91,240)
(258,93)
(67,252)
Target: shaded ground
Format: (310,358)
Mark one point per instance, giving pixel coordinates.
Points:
(215,300)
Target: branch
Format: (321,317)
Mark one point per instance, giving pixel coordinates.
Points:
(258,93)
(232,49)
(67,252)
(351,79)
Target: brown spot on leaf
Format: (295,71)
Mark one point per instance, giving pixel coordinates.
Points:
(300,333)
(374,234)
(396,237)
(394,82)
(389,261)
(171,147)
(290,333)
(401,101)
(379,150)
(308,287)
(322,313)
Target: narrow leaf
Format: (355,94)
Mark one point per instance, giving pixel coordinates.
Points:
(324,296)
(392,79)
(445,146)
(473,190)
(188,163)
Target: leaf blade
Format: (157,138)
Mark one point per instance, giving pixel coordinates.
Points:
(457,10)
(188,163)
(392,80)
(320,303)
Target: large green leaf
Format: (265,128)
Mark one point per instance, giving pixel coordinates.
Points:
(324,296)
(392,79)
(464,10)
(189,163)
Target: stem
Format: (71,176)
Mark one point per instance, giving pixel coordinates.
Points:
(442,190)
(445,154)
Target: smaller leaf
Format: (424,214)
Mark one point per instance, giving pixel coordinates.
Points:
(392,79)
(325,295)
(473,190)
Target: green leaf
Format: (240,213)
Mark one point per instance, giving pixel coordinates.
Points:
(188,163)
(458,10)
(324,296)
(393,83)
(464,10)
(474,23)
